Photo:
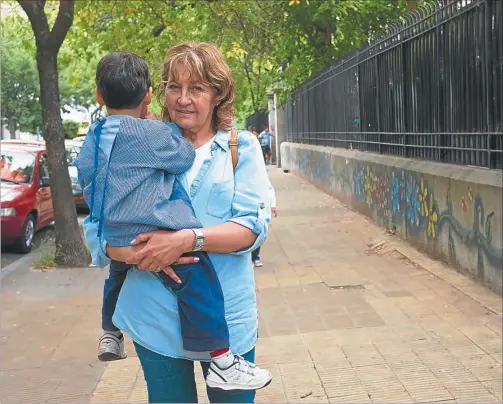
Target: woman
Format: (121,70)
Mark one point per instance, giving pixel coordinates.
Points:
(231,204)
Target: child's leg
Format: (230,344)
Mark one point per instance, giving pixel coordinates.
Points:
(201,305)
(111,289)
(111,345)
(204,328)
(256,254)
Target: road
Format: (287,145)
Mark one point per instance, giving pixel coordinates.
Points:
(9,255)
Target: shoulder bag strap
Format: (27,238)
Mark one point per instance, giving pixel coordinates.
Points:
(233,145)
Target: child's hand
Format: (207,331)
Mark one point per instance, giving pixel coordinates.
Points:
(274,212)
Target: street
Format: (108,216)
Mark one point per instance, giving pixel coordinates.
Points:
(9,256)
(347,313)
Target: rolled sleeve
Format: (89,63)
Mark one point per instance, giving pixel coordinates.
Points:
(96,247)
(250,206)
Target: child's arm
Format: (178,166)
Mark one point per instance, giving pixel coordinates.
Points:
(145,143)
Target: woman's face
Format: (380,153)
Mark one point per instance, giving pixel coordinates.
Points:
(190,103)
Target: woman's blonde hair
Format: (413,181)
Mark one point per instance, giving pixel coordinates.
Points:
(205,62)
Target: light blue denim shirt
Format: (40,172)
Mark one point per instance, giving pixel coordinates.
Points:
(146,310)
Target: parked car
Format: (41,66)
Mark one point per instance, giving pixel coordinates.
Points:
(26,204)
(72,151)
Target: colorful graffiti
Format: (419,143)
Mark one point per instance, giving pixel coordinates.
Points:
(478,236)
(404,196)
(359,182)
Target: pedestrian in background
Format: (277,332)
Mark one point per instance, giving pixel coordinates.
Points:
(265,142)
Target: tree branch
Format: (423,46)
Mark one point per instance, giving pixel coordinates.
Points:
(34,9)
(64,21)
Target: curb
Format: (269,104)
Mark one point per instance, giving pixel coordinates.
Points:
(23,262)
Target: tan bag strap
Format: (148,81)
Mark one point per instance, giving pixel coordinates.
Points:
(233,145)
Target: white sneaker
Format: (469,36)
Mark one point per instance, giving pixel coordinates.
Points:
(240,375)
(258,263)
(111,348)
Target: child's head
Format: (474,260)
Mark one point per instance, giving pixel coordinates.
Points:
(123,82)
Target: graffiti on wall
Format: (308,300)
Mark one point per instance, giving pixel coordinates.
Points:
(397,196)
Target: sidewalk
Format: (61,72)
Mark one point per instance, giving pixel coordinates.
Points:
(348,313)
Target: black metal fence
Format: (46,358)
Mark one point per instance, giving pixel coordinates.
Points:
(432,89)
(259,120)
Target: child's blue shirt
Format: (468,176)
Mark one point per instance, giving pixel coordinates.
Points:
(135,176)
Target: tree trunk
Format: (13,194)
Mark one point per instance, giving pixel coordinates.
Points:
(70,248)
(11,126)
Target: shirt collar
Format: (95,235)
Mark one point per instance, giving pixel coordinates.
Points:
(222,139)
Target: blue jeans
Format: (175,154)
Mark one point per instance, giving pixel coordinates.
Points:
(171,380)
(111,289)
(200,302)
(256,255)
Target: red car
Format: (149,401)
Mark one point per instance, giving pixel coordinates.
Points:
(26,204)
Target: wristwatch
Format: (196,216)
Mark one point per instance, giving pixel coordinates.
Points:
(198,240)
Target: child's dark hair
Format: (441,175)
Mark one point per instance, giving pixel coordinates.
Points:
(123,80)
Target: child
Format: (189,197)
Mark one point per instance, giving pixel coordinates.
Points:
(128,169)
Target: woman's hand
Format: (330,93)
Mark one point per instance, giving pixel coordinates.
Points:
(162,249)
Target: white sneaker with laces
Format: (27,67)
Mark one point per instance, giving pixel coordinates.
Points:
(240,375)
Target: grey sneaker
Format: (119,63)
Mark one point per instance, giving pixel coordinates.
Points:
(240,375)
(111,348)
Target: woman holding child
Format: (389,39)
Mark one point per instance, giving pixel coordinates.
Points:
(230,202)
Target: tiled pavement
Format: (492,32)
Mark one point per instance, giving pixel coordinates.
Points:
(339,321)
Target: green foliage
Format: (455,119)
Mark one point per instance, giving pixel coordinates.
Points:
(268,44)
(45,261)
(71,129)
(20,90)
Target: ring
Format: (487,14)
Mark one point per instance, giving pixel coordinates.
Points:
(159,269)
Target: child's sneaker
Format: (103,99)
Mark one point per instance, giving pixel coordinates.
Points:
(258,263)
(111,347)
(236,373)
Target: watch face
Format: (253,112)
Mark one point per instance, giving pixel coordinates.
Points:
(199,241)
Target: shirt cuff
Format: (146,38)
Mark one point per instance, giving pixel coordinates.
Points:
(257,224)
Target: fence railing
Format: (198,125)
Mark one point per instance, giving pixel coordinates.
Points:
(259,120)
(431,89)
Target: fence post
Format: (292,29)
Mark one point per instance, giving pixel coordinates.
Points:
(378,100)
(487,73)
(404,89)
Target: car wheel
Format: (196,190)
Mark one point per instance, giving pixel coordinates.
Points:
(25,241)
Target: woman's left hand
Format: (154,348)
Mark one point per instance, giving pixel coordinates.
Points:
(162,248)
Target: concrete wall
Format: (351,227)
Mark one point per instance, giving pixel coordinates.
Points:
(280,131)
(454,213)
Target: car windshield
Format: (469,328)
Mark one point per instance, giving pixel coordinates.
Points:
(17,166)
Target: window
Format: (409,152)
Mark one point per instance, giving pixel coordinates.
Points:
(43,176)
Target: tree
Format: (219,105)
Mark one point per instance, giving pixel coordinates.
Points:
(70,248)
(20,90)
(268,44)
(70,129)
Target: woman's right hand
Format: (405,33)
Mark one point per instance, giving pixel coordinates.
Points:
(122,253)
